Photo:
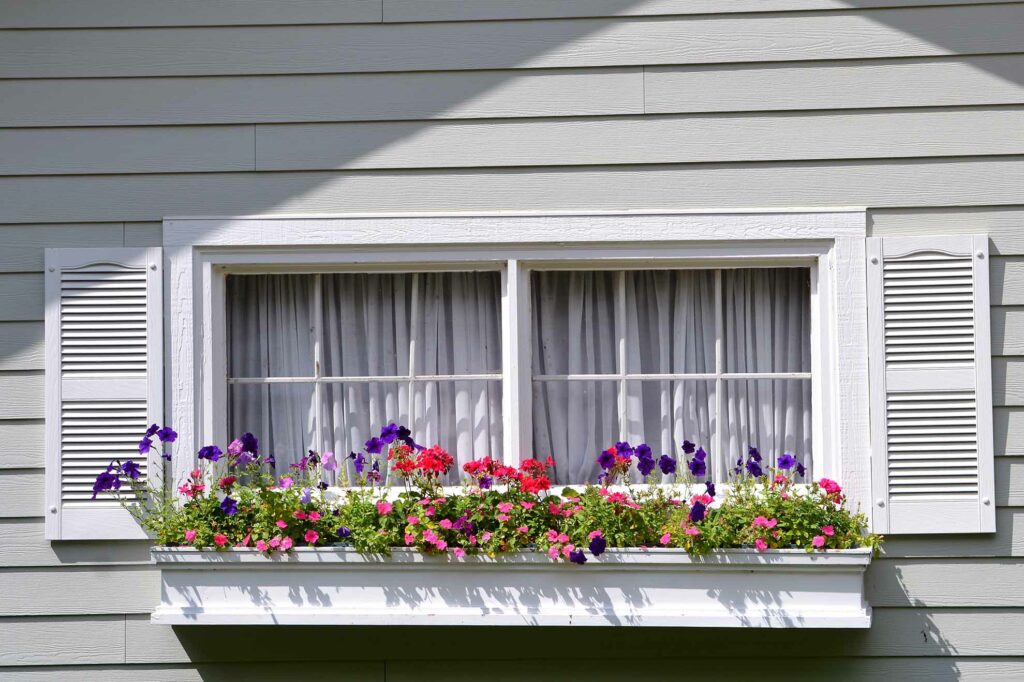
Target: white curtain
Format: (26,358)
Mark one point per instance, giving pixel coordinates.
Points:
(669,328)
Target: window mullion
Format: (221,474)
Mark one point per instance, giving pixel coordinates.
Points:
(516,361)
(413,338)
(716,438)
(318,359)
(620,336)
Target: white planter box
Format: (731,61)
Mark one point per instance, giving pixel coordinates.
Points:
(655,587)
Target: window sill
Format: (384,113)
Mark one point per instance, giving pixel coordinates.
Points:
(655,587)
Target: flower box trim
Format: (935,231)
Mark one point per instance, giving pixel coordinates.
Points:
(636,587)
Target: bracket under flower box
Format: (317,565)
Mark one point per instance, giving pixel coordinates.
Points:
(653,587)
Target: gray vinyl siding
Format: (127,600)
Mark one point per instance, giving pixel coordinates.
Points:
(116,113)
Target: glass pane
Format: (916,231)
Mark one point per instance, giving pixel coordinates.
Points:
(574,323)
(459,330)
(773,416)
(665,413)
(282,416)
(670,321)
(573,421)
(463,417)
(270,325)
(767,320)
(366,320)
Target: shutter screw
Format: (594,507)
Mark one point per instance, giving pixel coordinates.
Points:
(981,255)
(53,510)
(874,260)
(986,501)
(51,269)
(153,266)
(880,503)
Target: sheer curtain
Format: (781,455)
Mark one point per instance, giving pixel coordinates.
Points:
(667,320)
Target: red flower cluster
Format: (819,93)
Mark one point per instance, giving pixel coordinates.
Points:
(433,462)
(531,475)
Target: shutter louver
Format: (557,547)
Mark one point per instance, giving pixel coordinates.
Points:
(104,381)
(931,394)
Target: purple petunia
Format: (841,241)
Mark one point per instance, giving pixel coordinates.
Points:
(700,454)
(624,449)
(358,461)
(485,482)
(343,532)
(739,467)
(606,459)
(754,468)
(697,512)
(754,453)
(597,545)
(698,467)
(667,464)
(389,433)
(167,435)
(643,451)
(322,485)
(131,469)
(250,443)
(210,452)
(307,496)
(709,488)
(374,446)
(689,447)
(375,476)
(801,469)
(577,557)
(645,465)
(786,462)
(153,428)
(244,459)
(229,506)
(105,481)
(271,461)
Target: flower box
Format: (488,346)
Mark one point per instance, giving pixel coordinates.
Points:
(647,587)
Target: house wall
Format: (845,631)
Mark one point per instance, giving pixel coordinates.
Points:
(116,113)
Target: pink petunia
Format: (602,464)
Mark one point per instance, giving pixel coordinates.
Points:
(693,531)
(300,515)
(190,535)
(552,535)
(553,551)
(412,520)
(562,537)
(383,508)
(261,545)
(311,536)
(459,552)
(504,507)
(828,530)
(523,529)
(485,536)
(503,517)
(528,505)
(287,482)
(281,523)
(409,539)
(286,544)
(441,545)
(665,539)
(220,539)
(329,462)
(818,541)
(275,542)
(313,516)
(594,534)
(760,544)
(445,523)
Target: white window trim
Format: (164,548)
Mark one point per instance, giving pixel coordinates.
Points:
(201,251)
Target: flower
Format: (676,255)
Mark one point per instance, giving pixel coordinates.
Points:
(153,428)
(389,433)
(307,496)
(459,552)
(709,488)
(383,508)
(667,464)
(314,516)
(220,539)
(692,531)
(597,543)
(446,524)
(665,539)
(250,444)
(275,542)
(374,446)
(281,523)
(358,461)
(606,459)
(754,468)
(210,452)
(261,545)
(754,453)
(818,541)
(689,447)
(287,482)
(235,447)
(505,507)
(343,532)
(801,469)
(828,530)
(830,486)
(229,506)
(311,536)
(286,544)
(131,469)
(145,445)
(760,545)
(643,451)
(167,434)
(535,484)
(623,450)
(645,465)
(226,482)
(522,529)
(190,535)
(105,481)
(697,466)
(697,512)
(329,462)
(786,462)
(300,515)
(577,556)
(527,505)
(412,520)
(409,538)
(503,517)
(441,544)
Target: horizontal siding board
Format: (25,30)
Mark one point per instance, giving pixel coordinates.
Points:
(21,346)
(61,641)
(1008,381)
(894,632)
(283,671)
(1009,483)
(854,34)
(143,234)
(1007,330)
(1007,281)
(128,13)
(1008,424)
(1003,224)
(1007,541)
(971,583)
(23,244)
(990,79)
(269,99)
(631,140)
(22,396)
(125,150)
(97,590)
(479,10)
(25,546)
(21,493)
(21,297)
(993,180)
(22,444)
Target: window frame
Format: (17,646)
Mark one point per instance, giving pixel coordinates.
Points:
(203,251)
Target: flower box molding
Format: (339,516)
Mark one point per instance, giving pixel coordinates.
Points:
(635,587)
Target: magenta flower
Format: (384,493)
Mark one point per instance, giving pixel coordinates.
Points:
(818,541)
(383,508)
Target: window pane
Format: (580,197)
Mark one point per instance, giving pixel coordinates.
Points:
(773,416)
(270,325)
(767,315)
(665,413)
(670,321)
(573,421)
(574,323)
(280,415)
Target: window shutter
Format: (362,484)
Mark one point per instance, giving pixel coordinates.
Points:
(104,381)
(931,384)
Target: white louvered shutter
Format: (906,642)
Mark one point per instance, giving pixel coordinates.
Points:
(104,381)
(931,384)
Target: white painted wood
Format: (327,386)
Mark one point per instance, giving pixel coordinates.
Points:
(155,149)
(477,10)
(821,184)
(656,587)
(516,358)
(112,295)
(496,45)
(842,84)
(1002,224)
(327,97)
(668,139)
(931,410)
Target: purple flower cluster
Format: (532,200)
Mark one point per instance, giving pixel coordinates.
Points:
(164,433)
(388,435)
(698,465)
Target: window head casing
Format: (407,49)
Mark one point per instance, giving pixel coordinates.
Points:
(828,244)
